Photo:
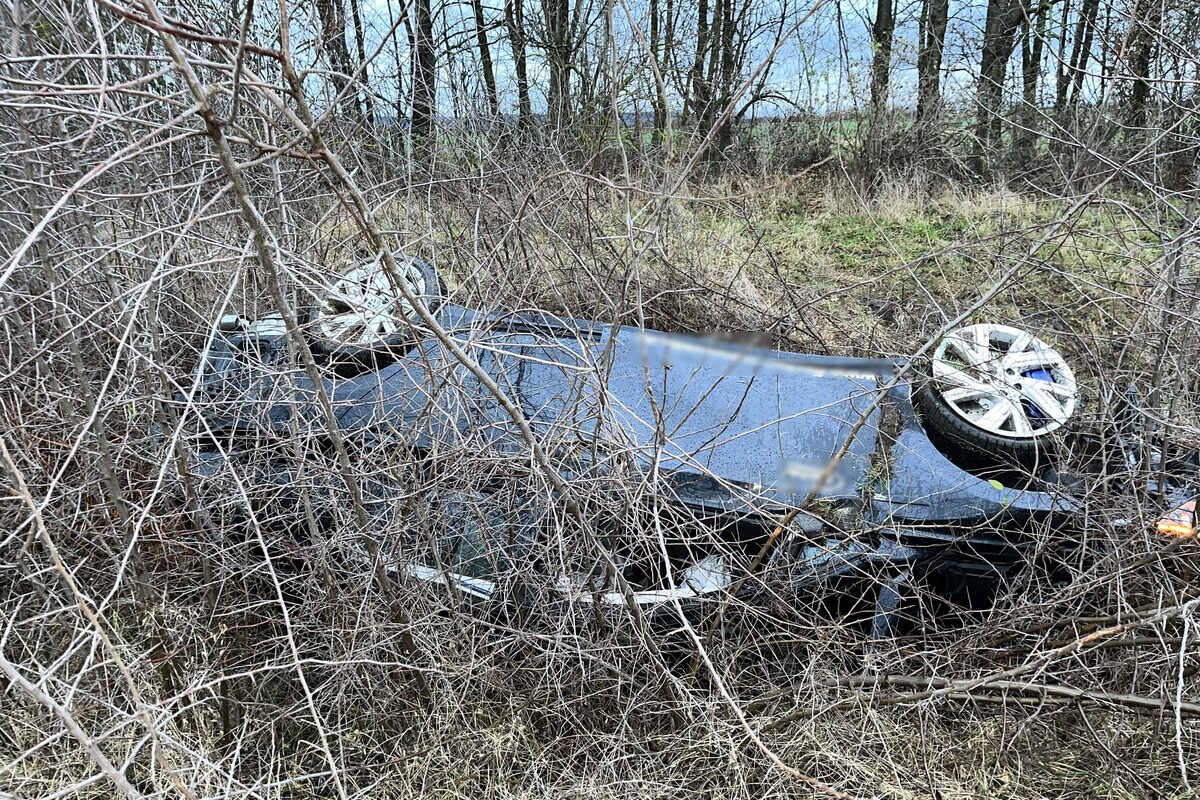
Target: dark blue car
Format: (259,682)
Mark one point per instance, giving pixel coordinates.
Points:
(762,466)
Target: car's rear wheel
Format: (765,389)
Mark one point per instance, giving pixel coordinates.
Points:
(360,318)
(997,392)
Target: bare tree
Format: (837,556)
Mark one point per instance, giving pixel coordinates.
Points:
(1146,26)
(333,42)
(485,57)
(1071,79)
(514,17)
(424,73)
(1033,28)
(659,50)
(882,30)
(360,46)
(559,52)
(931,35)
(700,95)
(1003,20)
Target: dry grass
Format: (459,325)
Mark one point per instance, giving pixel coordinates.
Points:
(551,706)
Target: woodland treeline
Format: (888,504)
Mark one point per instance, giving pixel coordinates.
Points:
(982,82)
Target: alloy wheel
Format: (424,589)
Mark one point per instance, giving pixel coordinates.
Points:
(1004,381)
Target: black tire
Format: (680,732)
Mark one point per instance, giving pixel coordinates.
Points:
(348,358)
(993,363)
(972,446)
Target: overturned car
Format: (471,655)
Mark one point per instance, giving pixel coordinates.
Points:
(748,468)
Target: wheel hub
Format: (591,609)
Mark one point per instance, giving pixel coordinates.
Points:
(361,307)
(1004,381)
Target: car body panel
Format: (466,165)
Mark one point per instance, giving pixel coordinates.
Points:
(926,488)
(694,408)
(724,428)
(734,427)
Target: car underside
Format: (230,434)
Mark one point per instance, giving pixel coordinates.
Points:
(703,468)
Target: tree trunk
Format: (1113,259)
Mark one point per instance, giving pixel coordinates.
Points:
(558,19)
(660,98)
(699,90)
(424,68)
(485,58)
(1031,70)
(514,18)
(712,73)
(1106,50)
(333,41)
(881,42)
(401,95)
(727,76)
(1062,74)
(667,64)
(934,15)
(1003,20)
(368,100)
(1145,43)
(1081,51)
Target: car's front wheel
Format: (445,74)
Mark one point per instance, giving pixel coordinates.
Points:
(997,392)
(359,317)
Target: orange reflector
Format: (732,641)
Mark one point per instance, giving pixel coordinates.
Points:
(1178,521)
